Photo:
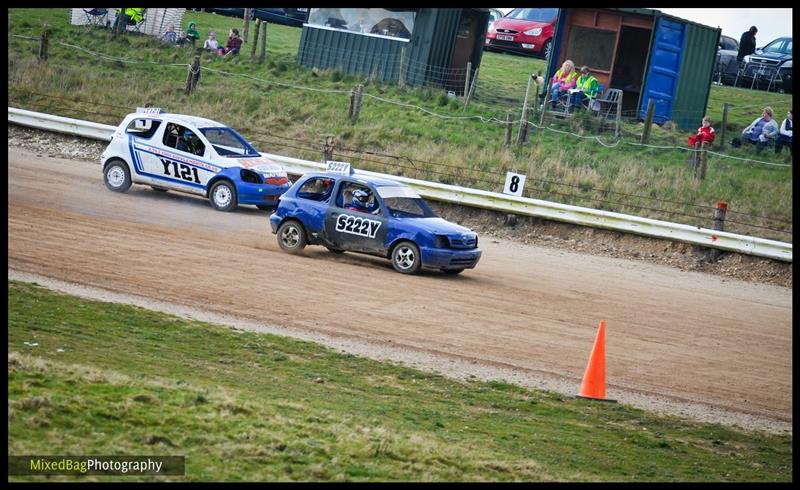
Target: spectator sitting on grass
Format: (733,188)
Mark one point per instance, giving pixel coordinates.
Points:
(785,136)
(170,36)
(191,33)
(211,43)
(762,131)
(233,45)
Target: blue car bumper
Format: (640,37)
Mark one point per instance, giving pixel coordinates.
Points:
(263,194)
(445,258)
(274,221)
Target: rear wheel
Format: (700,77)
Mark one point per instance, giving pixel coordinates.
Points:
(291,236)
(117,176)
(406,258)
(223,196)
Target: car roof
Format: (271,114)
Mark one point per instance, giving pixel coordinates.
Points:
(186,120)
(376,181)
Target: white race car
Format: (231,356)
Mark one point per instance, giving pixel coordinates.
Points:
(194,155)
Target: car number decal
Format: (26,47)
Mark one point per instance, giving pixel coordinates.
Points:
(186,172)
(356,225)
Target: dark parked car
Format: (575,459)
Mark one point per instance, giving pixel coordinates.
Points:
(770,67)
(288,16)
(726,66)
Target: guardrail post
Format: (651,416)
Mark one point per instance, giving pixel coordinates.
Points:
(720,210)
(43,47)
(648,121)
(263,42)
(255,39)
(724,124)
(193,76)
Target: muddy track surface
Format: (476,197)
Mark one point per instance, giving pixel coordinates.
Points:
(677,341)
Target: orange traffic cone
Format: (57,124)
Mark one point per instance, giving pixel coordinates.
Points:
(593,385)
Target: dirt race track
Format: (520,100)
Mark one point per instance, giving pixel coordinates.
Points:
(677,341)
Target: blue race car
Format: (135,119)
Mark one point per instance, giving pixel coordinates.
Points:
(194,155)
(373,216)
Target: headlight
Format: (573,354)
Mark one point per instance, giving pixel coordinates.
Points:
(442,242)
(536,31)
(787,64)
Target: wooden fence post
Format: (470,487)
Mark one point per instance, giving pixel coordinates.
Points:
(263,43)
(246,24)
(120,26)
(357,105)
(327,148)
(720,210)
(351,108)
(619,115)
(193,76)
(43,47)
(523,120)
(648,121)
(724,124)
(255,39)
(402,77)
(466,78)
(471,88)
(701,162)
(509,126)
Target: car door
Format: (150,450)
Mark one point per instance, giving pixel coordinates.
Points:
(182,162)
(358,231)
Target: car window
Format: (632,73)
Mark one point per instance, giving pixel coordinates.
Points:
(403,202)
(142,127)
(228,143)
(346,194)
(538,15)
(183,139)
(316,189)
(729,43)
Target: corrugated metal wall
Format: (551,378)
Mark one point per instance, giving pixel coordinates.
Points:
(351,53)
(694,81)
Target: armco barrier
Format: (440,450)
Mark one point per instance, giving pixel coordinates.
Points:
(480,199)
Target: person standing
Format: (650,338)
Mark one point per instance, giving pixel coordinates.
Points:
(747,44)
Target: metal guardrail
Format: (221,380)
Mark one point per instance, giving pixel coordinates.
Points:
(480,199)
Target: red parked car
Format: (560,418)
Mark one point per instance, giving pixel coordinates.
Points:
(528,31)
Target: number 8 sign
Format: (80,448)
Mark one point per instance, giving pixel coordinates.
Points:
(514,184)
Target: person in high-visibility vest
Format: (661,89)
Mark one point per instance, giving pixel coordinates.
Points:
(563,80)
(588,87)
(130,17)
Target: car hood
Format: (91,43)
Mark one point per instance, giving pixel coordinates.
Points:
(517,24)
(260,164)
(440,226)
(771,56)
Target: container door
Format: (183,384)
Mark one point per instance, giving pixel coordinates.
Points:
(665,65)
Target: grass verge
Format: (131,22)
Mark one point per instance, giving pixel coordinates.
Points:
(107,378)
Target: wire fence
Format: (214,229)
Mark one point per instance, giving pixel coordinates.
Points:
(448,173)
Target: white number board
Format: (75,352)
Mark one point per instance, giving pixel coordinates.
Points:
(148,110)
(514,184)
(338,167)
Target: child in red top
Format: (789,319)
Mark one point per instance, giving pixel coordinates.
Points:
(704,133)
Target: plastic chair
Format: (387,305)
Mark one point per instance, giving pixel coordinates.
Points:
(138,26)
(96,17)
(608,102)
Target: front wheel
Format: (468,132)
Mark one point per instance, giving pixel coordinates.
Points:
(117,176)
(406,258)
(548,47)
(223,196)
(291,236)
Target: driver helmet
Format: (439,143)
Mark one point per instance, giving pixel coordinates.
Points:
(360,198)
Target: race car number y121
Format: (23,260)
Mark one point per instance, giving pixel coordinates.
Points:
(186,172)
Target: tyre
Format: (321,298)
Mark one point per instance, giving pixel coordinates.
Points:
(452,272)
(223,196)
(159,189)
(406,258)
(117,176)
(335,250)
(548,47)
(292,236)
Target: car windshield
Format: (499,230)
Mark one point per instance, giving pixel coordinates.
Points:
(537,15)
(402,202)
(228,143)
(779,46)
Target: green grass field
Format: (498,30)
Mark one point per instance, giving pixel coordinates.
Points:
(279,117)
(111,379)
